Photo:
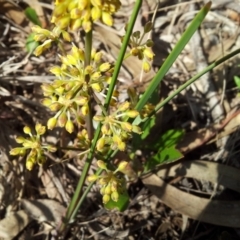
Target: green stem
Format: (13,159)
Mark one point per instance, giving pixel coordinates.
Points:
(122,52)
(193,79)
(87,60)
(77,199)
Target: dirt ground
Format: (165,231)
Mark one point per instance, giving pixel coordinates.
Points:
(196,197)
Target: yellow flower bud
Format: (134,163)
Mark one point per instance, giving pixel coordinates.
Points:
(106,198)
(92,178)
(66,36)
(104,67)
(121,146)
(98,118)
(39,30)
(122,166)
(132,113)
(75,13)
(69,126)
(114,186)
(82,4)
(62,119)
(55,106)
(63,22)
(124,106)
(46,102)
(72,60)
(107,18)
(27,130)
(107,189)
(96,75)
(51,123)
(95,13)
(75,24)
(146,66)
(47,89)
(80,100)
(85,109)
(15,151)
(100,144)
(59,10)
(51,148)
(136,129)
(77,53)
(148,54)
(40,130)
(87,26)
(101,164)
(97,87)
(38,51)
(134,51)
(97,56)
(126,126)
(29,164)
(115,196)
(20,139)
(116,139)
(106,129)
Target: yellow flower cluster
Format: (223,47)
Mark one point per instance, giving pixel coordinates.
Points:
(115,128)
(113,184)
(69,93)
(48,37)
(142,49)
(36,154)
(81,13)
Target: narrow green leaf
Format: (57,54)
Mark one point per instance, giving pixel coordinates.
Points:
(173,55)
(32,16)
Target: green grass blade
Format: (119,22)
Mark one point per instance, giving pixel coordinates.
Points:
(173,55)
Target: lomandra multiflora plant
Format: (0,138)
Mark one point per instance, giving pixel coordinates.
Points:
(84,79)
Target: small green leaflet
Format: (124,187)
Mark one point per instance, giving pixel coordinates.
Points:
(121,204)
(165,148)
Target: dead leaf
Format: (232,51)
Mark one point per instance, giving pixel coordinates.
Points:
(44,210)
(204,170)
(224,213)
(195,139)
(13,224)
(12,11)
(49,186)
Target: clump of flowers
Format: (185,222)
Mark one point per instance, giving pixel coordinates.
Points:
(33,146)
(48,37)
(69,94)
(141,49)
(116,130)
(76,14)
(112,183)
